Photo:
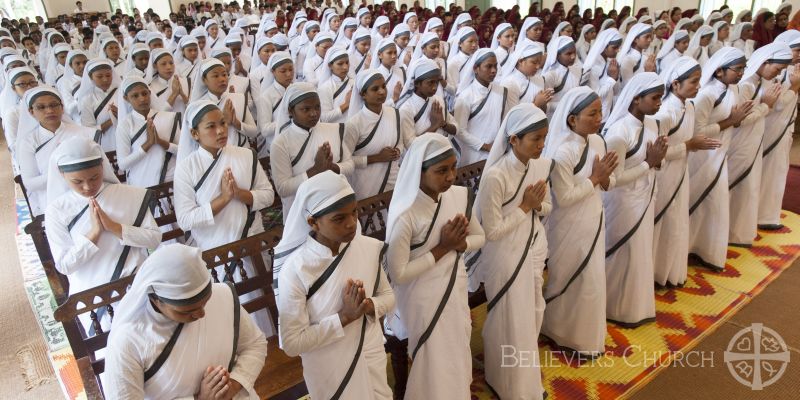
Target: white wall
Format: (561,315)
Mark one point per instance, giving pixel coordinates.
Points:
(57,7)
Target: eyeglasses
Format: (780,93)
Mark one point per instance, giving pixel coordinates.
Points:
(738,70)
(51,106)
(26,85)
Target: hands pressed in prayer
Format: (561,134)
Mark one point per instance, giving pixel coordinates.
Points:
(436,117)
(97,228)
(656,152)
(323,161)
(153,138)
(216,385)
(603,168)
(542,98)
(105,222)
(771,95)
(487,147)
(229,113)
(346,105)
(367,60)
(176,90)
(397,91)
(613,69)
(701,142)
(386,154)
(533,197)
(650,63)
(238,68)
(453,237)
(738,113)
(407,58)
(354,302)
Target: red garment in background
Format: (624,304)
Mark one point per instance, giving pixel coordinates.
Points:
(761,35)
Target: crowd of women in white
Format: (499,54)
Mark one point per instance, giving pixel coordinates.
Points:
(608,161)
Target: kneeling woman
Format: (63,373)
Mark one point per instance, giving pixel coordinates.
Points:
(219,188)
(512,199)
(430,225)
(99,230)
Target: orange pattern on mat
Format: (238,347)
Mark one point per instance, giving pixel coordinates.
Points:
(684,316)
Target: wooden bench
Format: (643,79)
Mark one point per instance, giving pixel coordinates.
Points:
(112,158)
(272,216)
(164,210)
(281,377)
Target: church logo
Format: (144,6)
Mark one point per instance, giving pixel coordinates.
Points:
(757,356)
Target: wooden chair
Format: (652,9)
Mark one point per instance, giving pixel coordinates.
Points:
(18,181)
(281,377)
(112,158)
(59,283)
(164,210)
(272,216)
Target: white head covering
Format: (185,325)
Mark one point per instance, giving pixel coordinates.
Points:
(716,15)
(185,42)
(603,40)
(136,48)
(199,89)
(432,23)
(9,97)
(155,55)
(724,57)
(678,70)
(124,108)
(319,195)
(676,36)
(341,38)
(582,36)
(775,52)
(69,73)
(531,49)
(308,27)
(260,43)
(361,34)
(639,85)
(281,41)
(561,44)
(426,150)
(791,37)
(658,23)
(327,16)
(277,59)
(363,79)
(502,28)
(422,69)
(646,19)
(362,12)
(573,102)
(426,39)
(140,36)
(153,36)
(737,30)
(697,18)
(292,32)
(87,84)
(320,38)
(702,31)
(52,67)
(27,122)
(521,119)
(380,21)
(294,94)
(456,40)
(626,26)
(636,31)
(333,54)
(607,24)
(75,154)
(529,23)
(191,118)
(468,73)
(460,19)
(557,32)
(175,273)
(682,24)
(725,12)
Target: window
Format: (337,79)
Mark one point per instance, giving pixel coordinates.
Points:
(607,5)
(22,8)
(737,6)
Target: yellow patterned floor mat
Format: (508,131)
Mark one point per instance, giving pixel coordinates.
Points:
(684,316)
